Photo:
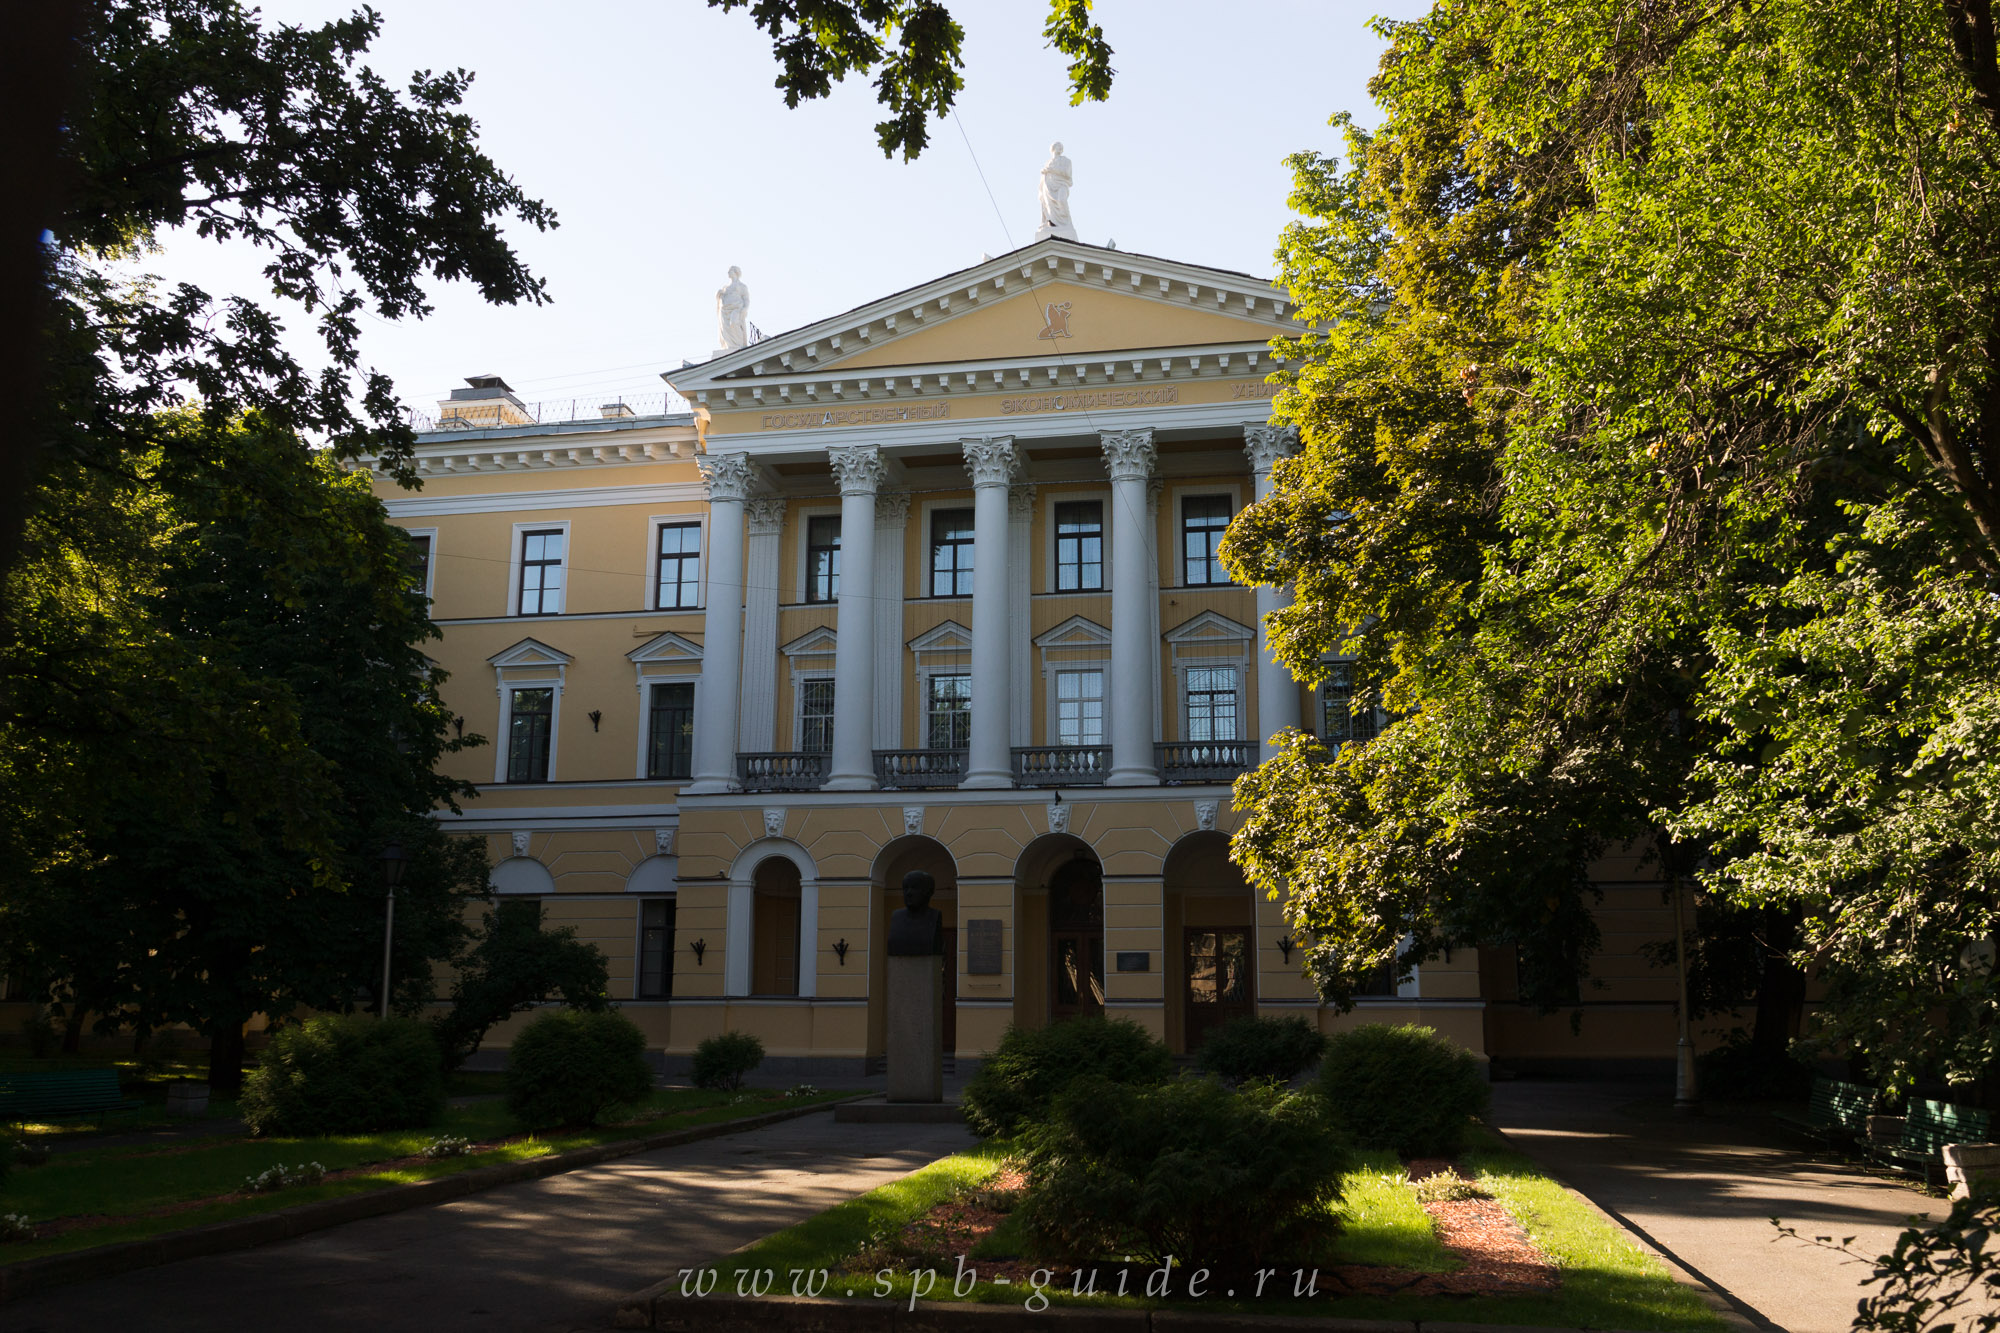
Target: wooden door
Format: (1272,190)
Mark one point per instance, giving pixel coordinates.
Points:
(1076,941)
(1217,988)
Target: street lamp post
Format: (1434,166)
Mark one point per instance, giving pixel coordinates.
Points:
(1687,1096)
(393,861)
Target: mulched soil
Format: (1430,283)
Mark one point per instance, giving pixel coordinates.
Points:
(1497,1255)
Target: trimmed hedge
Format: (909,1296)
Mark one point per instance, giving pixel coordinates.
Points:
(570,1065)
(1405,1088)
(721,1061)
(1020,1081)
(1277,1049)
(1223,1179)
(345,1074)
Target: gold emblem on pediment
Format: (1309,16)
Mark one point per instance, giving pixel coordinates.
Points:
(1055,320)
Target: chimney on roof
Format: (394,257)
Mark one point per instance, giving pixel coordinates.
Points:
(486,401)
(617,409)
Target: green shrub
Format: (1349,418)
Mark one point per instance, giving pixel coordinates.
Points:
(1279,1049)
(569,1065)
(345,1075)
(1018,1083)
(1187,1168)
(1403,1088)
(721,1061)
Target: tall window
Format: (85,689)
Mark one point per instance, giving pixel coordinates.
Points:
(542,572)
(670,731)
(1339,723)
(1211,704)
(656,949)
(823,558)
(529,718)
(951,553)
(677,581)
(948,713)
(1203,519)
(816,716)
(420,561)
(1080,546)
(1079,708)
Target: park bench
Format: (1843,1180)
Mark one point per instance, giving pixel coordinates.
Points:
(60,1095)
(1836,1111)
(1927,1128)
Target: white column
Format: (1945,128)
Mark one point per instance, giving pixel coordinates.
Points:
(727,478)
(892,519)
(736,937)
(1129,455)
(858,470)
(809,935)
(1277,691)
(992,463)
(758,730)
(1020,643)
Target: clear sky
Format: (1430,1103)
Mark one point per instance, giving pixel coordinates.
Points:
(654,131)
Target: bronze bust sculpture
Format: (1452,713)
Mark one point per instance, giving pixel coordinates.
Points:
(916,929)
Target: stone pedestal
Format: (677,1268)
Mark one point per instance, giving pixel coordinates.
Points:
(916,1029)
(1971,1166)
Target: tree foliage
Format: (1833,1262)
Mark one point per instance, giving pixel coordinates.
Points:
(513,966)
(1650,418)
(914,50)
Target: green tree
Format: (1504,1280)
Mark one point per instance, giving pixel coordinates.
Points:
(513,966)
(218,713)
(913,48)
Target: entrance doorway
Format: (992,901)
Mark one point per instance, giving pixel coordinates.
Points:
(1076,940)
(1217,989)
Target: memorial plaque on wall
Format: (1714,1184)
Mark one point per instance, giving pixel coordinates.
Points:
(982,947)
(1139,961)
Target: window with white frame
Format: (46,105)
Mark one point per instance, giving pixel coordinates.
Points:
(823,558)
(1079,707)
(420,560)
(677,567)
(656,949)
(1212,704)
(948,712)
(542,571)
(670,730)
(1204,518)
(530,722)
(951,553)
(815,734)
(1079,545)
(1339,723)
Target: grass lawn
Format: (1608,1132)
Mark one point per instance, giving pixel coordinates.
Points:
(1607,1281)
(120,1193)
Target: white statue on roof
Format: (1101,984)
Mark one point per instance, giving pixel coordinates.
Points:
(732,313)
(1055,197)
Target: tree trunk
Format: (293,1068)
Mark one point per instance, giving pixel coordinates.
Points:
(72,1041)
(225,1061)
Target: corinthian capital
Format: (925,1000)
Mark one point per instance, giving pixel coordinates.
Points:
(766,516)
(892,509)
(727,476)
(1267,444)
(991,460)
(1128,454)
(858,468)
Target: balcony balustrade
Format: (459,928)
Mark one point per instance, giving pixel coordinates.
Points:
(1205,761)
(902,770)
(1061,765)
(781,770)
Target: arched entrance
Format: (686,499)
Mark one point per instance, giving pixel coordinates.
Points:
(897,859)
(1210,916)
(1059,915)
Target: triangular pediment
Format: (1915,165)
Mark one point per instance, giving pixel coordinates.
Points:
(667,647)
(950,637)
(1209,627)
(815,642)
(1054,299)
(1076,632)
(530,653)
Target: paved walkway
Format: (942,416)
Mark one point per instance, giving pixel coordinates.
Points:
(1703,1191)
(547,1255)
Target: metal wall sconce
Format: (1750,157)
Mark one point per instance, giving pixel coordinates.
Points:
(458,725)
(1285,946)
(596,716)
(840,950)
(700,947)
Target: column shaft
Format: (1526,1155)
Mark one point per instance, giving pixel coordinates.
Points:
(1129,456)
(859,471)
(727,477)
(992,464)
(757,729)
(892,515)
(1277,691)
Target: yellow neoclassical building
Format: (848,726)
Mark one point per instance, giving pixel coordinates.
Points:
(930,584)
